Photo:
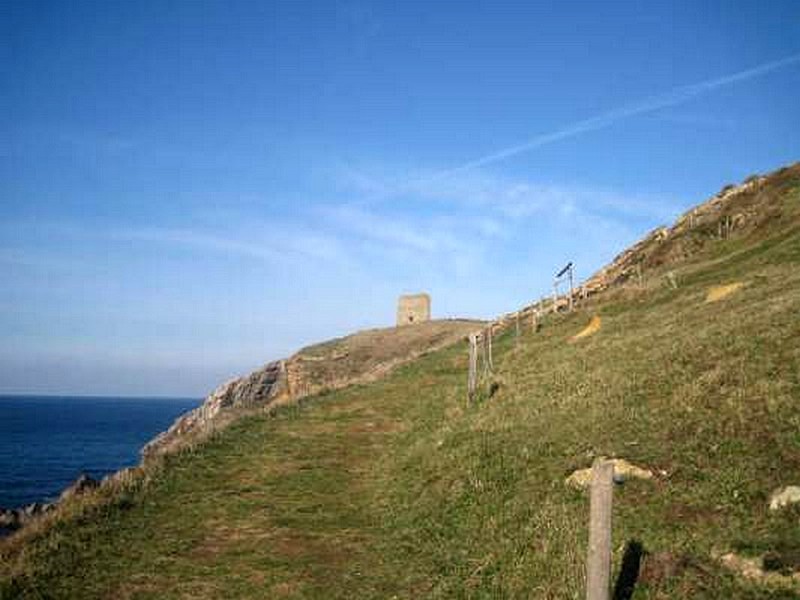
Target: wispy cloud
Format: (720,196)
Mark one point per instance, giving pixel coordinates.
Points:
(673,97)
(489,197)
(458,226)
(284,243)
(394,230)
(186,237)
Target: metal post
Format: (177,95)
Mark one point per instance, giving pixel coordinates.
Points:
(598,563)
(571,287)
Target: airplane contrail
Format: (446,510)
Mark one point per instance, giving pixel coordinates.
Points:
(673,97)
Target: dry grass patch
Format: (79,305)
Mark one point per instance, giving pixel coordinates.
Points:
(592,328)
(718,292)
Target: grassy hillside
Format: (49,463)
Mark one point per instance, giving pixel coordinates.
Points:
(399,489)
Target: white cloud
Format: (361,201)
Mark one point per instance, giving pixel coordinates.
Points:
(270,242)
(673,97)
(374,226)
(481,195)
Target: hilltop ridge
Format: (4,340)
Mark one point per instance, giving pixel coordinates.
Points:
(398,487)
(750,209)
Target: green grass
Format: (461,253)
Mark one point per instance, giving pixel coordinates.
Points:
(399,489)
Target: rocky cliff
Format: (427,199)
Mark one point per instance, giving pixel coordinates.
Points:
(258,389)
(735,211)
(754,207)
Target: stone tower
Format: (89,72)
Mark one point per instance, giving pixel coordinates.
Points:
(413,308)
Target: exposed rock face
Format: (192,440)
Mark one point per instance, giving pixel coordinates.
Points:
(80,486)
(14,518)
(260,388)
(623,470)
(736,210)
(784,497)
(358,358)
(753,569)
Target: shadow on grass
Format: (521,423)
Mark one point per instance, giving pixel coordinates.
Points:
(629,570)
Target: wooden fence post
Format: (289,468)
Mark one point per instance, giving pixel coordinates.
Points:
(489,341)
(472,380)
(484,357)
(598,562)
(516,339)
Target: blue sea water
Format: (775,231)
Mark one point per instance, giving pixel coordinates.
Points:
(46,442)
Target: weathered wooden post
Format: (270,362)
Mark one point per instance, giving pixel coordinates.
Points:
(488,340)
(598,562)
(516,338)
(472,380)
(484,358)
(673,282)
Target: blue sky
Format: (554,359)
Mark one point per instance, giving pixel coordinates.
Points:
(191,189)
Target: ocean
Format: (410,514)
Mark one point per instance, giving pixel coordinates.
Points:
(46,442)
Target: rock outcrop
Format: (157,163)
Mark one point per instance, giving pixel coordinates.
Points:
(81,485)
(623,470)
(12,519)
(259,389)
(760,570)
(784,497)
(735,210)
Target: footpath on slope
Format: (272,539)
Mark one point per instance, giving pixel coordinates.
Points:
(358,358)
(278,505)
